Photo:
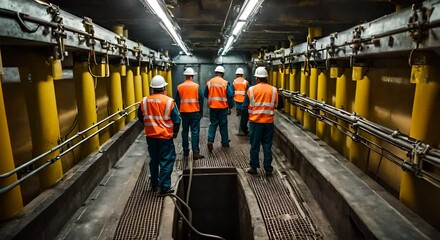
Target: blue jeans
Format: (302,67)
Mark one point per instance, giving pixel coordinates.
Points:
(244,121)
(190,120)
(239,105)
(261,133)
(218,117)
(163,156)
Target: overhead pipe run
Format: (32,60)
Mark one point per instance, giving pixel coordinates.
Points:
(416,150)
(397,32)
(69,31)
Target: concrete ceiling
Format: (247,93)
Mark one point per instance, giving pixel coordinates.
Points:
(203,23)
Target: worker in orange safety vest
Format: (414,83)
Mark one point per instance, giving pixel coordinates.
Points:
(161,120)
(189,99)
(260,102)
(240,86)
(220,95)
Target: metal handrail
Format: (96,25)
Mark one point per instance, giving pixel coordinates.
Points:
(417,150)
(122,113)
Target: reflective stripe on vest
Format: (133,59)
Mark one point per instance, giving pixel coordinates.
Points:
(240,85)
(217,97)
(156,110)
(262,102)
(189,96)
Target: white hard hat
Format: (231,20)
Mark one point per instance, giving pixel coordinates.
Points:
(220,69)
(158,82)
(239,71)
(189,72)
(261,72)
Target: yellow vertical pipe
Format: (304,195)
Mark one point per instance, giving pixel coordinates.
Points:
(170,83)
(321,128)
(309,121)
(115,97)
(150,76)
(362,108)
(269,80)
(275,78)
(281,78)
(104,135)
(287,86)
(145,82)
(137,84)
(10,202)
(422,197)
(292,87)
(338,138)
(43,117)
(129,97)
(313,32)
(303,90)
(86,100)
(155,71)
(159,72)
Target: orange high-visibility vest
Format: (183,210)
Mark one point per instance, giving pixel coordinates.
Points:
(263,99)
(217,97)
(240,85)
(189,97)
(157,109)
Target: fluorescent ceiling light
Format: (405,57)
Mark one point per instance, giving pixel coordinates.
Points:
(240,22)
(159,11)
(250,6)
(238,28)
(228,45)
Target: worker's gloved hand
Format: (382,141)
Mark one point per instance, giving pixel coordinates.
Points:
(174,135)
(229,111)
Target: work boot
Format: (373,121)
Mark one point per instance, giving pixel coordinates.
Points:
(252,171)
(210,146)
(197,156)
(241,134)
(154,188)
(163,193)
(269,174)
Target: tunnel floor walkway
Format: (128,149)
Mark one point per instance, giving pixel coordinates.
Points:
(123,207)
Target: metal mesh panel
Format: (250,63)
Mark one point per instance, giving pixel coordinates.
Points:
(283,210)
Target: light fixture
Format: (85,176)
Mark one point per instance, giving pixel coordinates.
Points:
(157,9)
(247,12)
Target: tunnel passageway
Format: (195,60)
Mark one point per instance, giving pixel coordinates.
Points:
(103,215)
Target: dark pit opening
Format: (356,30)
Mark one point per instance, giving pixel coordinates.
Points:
(218,204)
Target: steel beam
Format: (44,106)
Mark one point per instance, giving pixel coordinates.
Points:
(76,33)
(389,34)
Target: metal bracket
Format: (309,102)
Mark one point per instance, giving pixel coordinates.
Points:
(418,23)
(356,43)
(88,27)
(59,32)
(331,48)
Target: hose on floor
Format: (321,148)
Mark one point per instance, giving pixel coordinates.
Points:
(188,222)
(190,179)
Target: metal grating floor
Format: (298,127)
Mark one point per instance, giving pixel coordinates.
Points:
(282,207)
(140,218)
